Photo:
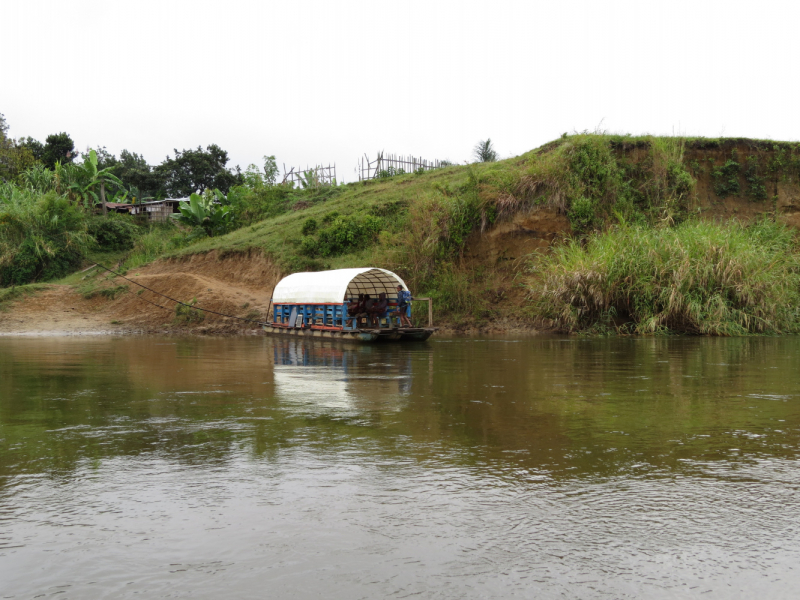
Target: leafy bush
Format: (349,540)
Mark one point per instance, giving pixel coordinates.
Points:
(700,278)
(259,202)
(309,227)
(581,215)
(114,232)
(342,235)
(726,179)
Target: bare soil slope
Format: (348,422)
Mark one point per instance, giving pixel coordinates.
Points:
(236,284)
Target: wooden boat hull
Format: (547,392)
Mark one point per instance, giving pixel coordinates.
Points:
(406,334)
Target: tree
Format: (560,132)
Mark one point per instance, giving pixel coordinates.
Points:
(35,146)
(134,172)
(15,158)
(58,147)
(193,170)
(254,178)
(270,170)
(485,152)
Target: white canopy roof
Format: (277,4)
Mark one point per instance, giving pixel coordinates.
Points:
(335,286)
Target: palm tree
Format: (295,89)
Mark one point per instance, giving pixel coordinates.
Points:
(485,152)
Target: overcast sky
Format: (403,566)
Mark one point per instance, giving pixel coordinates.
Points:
(317,82)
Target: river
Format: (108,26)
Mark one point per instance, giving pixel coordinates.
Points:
(543,467)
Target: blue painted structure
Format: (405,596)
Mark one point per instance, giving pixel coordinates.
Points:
(328,316)
(315,305)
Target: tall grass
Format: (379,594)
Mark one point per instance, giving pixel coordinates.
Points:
(697,278)
(158,241)
(41,237)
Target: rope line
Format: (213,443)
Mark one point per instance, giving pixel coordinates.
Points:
(208,310)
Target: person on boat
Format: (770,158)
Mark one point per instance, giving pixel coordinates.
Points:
(363,312)
(403,300)
(378,309)
(355,306)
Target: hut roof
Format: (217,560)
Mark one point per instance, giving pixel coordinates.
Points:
(334,286)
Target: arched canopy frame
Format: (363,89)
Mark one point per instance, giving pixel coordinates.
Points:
(335,287)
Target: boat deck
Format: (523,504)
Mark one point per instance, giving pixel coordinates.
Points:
(384,334)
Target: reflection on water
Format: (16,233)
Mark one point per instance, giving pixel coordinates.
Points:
(332,378)
(488,468)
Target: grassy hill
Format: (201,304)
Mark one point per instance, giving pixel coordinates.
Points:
(431,228)
(473,237)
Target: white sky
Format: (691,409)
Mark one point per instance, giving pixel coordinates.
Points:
(318,82)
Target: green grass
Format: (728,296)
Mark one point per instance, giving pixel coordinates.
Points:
(697,278)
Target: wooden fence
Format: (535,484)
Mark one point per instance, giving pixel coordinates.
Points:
(311,176)
(391,164)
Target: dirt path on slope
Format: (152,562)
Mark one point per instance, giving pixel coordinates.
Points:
(239,285)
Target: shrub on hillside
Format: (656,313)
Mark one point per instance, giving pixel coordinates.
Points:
(697,278)
(41,239)
(590,169)
(344,234)
(257,203)
(113,233)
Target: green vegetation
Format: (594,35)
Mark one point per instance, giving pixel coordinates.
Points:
(700,278)
(41,237)
(186,314)
(726,178)
(421,225)
(484,151)
(597,180)
(339,235)
(206,213)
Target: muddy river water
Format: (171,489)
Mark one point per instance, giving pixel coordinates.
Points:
(458,468)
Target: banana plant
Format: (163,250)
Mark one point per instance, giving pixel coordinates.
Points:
(310,179)
(203,212)
(86,180)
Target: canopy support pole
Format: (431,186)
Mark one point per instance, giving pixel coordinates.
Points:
(430,309)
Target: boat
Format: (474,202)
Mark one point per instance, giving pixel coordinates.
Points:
(314,305)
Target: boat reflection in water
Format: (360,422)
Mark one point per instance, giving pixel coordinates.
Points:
(346,379)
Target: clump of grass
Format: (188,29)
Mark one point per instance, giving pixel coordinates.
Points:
(109,293)
(696,278)
(253,315)
(186,314)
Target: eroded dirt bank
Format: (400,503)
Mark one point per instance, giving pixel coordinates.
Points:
(239,284)
(235,284)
